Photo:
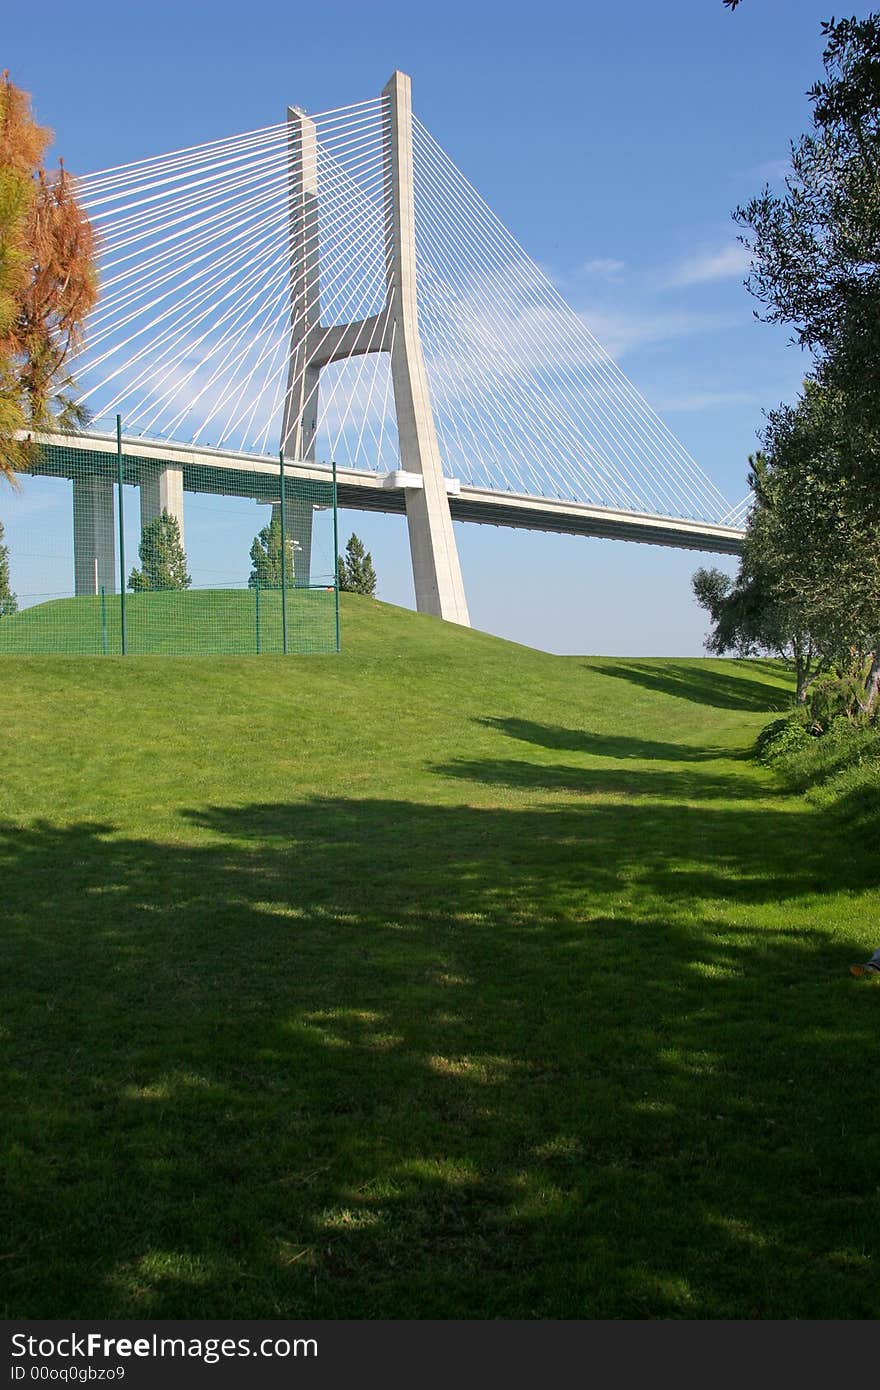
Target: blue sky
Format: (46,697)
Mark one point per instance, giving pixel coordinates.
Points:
(612,140)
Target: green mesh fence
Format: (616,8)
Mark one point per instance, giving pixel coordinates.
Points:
(121,548)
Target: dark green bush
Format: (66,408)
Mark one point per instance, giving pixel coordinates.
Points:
(832,697)
(784,736)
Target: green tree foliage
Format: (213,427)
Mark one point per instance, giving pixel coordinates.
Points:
(760,611)
(163,561)
(810,571)
(266,556)
(8,601)
(816,247)
(48,282)
(356,573)
(749,620)
(826,542)
(808,586)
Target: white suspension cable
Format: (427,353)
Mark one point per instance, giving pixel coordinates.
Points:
(515,329)
(491,224)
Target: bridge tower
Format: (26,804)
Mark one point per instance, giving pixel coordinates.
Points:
(395,329)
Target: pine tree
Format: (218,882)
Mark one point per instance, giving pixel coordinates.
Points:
(266,557)
(356,573)
(48,281)
(8,601)
(163,559)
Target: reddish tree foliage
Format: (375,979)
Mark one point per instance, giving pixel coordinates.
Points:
(61,290)
(22,142)
(48,281)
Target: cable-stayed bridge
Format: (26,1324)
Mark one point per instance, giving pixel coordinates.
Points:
(333,288)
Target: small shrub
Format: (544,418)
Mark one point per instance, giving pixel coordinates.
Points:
(783,737)
(356,573)
(162,557)
(833,697)
(837,767)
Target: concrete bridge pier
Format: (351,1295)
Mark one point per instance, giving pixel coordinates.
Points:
(298,515)
(161,491)
(436,570)
(94,536)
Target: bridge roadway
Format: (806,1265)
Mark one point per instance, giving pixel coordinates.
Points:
(218,471)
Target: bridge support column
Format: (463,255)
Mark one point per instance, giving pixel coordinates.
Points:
(161,491)
(300,426)
(94,536)
(300,524)
(298,520)
(436,570)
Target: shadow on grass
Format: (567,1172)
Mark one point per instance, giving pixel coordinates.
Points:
(379,1059)
(674,786)
(706,685)
(603,745)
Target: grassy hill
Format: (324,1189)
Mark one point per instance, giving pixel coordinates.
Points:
(191,622)
(440,978)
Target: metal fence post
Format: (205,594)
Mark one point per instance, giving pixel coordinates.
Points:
(283,558)
(336,555)
(119,470)
(257,611)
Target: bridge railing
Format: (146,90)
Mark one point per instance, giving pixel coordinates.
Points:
(110,554)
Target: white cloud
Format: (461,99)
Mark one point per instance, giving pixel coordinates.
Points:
(729,262)
(619,331)
(694,401)
(603,266)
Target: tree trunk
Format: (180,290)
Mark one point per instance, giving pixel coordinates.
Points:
(802,656)
(872,685)
(804,675)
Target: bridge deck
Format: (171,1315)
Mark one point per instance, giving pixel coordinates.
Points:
(218,471)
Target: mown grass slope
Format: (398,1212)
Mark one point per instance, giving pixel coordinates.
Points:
(442,978)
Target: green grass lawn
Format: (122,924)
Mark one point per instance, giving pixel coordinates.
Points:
(442,978)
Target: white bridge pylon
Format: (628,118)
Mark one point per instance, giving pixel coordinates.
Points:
(394,329)
(332,286)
